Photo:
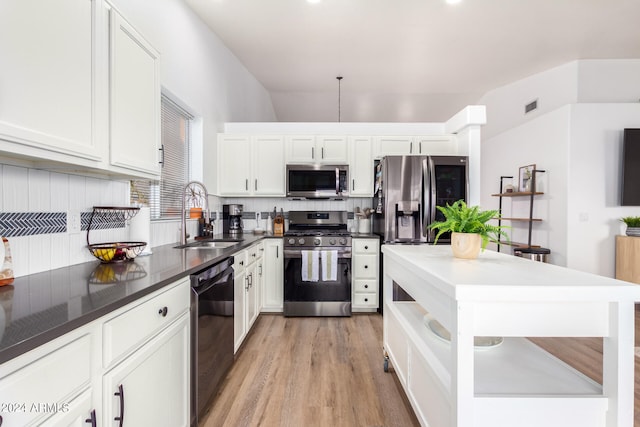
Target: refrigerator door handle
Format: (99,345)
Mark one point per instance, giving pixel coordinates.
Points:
(425,198)
(432,197)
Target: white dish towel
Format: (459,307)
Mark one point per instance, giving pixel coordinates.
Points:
(329,265)
(310,266)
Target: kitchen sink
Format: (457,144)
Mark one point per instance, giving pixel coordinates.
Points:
(210,244)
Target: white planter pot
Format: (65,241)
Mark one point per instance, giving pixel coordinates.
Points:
(466,245)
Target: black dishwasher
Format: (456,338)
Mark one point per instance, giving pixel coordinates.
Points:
(211,334)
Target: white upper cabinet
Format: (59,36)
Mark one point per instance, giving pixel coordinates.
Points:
(414,145)
(251,165)
(360,166)
(135,100)
(316,149)
(47,75)
(268,166)
(79,88)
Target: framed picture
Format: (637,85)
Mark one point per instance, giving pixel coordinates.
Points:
(524,178)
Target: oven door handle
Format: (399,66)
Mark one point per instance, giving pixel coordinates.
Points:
(296,253)
(337,181)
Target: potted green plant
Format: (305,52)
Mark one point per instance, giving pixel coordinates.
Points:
(469,228)
(633,225)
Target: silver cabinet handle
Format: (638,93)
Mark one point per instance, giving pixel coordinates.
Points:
(161,149)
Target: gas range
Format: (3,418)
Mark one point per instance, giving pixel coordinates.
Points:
(324,229)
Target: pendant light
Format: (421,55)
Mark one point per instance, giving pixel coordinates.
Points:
(339,81)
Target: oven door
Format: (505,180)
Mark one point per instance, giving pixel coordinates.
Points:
(321,298)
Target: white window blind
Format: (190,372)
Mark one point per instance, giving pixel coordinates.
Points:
(164,197)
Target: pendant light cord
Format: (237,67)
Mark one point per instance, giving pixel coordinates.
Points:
(339,81)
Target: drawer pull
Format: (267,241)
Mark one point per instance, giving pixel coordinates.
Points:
(92,419)
(366,247)
(120,393)
(366,300)
(366,266)
(241,263)
(163,311)
(366,286)
(0,420)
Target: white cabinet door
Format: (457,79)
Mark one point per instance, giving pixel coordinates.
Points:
(80,412)
(234,165)
(151,387)
(268,166)
(47,80)
(272,289)
(300,149)
(360,166)
(239,304)
(251,301)
(332,150)
(440,145)
(53,373)
(393,146)
(135,100)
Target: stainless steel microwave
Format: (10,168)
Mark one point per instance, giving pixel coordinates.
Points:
(329,182)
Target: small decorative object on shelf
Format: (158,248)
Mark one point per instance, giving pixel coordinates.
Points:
(525,178)
(462,221)
(114,251)
(633,225)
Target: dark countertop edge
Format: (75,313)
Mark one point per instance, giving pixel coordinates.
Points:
(55,332)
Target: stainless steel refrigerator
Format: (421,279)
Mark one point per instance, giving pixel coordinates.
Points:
(407,191)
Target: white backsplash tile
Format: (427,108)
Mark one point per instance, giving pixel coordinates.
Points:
(59,192)
(39,191)
(15,189)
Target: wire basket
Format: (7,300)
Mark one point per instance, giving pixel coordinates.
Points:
(116,252)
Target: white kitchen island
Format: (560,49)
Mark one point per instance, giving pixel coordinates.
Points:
(515,383)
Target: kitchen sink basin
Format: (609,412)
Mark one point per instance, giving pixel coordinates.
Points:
(210,244)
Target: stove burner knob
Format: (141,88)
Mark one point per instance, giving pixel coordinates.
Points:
(301,241)
(316,241)
(343,241)
(292,241)
(332,241)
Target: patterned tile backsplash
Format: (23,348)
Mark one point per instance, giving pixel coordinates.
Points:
(35,204)
(14,224)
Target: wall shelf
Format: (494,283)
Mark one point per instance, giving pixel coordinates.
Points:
(530,219)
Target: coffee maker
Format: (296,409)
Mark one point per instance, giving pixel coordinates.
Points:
(232,219)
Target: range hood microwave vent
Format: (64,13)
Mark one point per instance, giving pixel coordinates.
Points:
(317,182)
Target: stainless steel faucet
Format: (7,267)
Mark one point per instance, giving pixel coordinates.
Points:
(191,188)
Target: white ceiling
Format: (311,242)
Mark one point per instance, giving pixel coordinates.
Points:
(410,60)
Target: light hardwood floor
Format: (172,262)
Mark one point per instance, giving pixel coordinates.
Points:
(311,371)
(328,372)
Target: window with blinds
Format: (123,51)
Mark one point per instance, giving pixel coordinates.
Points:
(164,196)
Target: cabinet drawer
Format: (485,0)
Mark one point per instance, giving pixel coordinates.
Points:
(365,285)
(240,261)
(53,379)
(252,254)
(365,300)
(130,329)
(365,266)
(260,250)
(365,246)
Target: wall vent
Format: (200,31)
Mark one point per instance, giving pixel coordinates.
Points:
(531,106)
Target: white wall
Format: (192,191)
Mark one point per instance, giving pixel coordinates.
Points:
(593,183)
(579,145)
(198,70)
(543,142)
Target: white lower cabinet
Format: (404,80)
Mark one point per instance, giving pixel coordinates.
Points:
(273,277)
(73,380)
(45,382)
(246,301)
(151,387)
(365,272)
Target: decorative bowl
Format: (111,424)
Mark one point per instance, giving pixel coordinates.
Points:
(116,252)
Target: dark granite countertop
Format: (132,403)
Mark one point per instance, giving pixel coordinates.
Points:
(41,307)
